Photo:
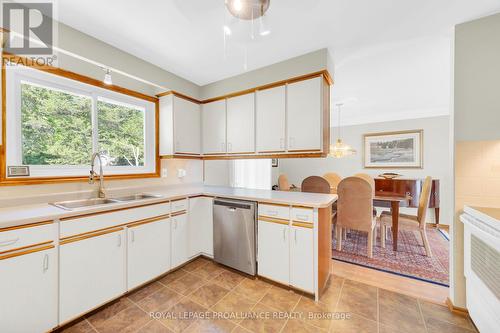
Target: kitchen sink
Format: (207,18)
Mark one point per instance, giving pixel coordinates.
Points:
(69,205)
(134,197)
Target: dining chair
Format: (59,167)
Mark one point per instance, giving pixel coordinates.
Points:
(354,210)
(370,180)
(315,184)
(333,179)
(283,184)
(411,221)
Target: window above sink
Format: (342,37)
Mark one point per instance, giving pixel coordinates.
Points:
(55,124)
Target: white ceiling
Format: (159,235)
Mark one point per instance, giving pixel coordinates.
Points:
(185,36)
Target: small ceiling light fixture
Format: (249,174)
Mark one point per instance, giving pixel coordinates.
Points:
(107,77)
(339,149)
(247,9)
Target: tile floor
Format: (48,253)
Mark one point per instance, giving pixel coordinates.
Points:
(187,299)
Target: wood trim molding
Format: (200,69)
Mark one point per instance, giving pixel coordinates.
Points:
(26,247)
(455,309)
(147,221)
(30,225)
(302,224)
(324,73)
(4,181)
(89,235)
(234,157)
(273,220)
(182,212)
(31,250)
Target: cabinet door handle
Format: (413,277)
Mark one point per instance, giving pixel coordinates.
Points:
(229,146)
(45,262)
(295,235)
(284,234)
(282,143)
(290,142)
(9,242)
(175,223)
(119,240)
(222,146)
(132,233)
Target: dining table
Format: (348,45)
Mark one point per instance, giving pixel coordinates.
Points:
(394,203)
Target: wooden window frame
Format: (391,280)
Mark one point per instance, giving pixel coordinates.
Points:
(5,181)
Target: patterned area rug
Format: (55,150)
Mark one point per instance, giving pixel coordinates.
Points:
(410,259)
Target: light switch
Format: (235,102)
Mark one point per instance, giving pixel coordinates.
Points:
(181,173)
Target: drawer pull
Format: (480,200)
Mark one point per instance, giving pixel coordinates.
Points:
(9,242)
(272,213)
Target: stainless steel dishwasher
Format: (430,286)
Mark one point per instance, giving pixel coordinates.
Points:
(234,234)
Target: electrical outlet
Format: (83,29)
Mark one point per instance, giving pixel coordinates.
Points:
(181,173)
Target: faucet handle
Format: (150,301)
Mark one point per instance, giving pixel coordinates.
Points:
(91,177)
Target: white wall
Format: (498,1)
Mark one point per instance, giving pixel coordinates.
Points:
(436,157)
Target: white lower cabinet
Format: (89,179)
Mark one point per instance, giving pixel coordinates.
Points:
(201,239)
(301,258)
(180,239)
(28,292)
(273,251)
(286,254)
(148,251)
(91,272)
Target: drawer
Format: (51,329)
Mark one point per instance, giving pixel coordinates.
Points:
(179,205)
(24,237)
(92,222)
(276,211)
(302,214)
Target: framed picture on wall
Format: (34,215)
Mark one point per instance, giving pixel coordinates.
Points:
(394,150)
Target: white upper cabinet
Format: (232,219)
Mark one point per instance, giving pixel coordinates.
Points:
(271,115)
(214,127)
(180,126)
(241,124)
(187,127)
(304,117)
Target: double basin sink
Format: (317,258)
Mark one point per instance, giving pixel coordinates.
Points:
(74,204)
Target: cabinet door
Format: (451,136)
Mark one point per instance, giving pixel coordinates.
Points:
(302,258)
(304,118)
(187,126)
(91,272)
(28,301)
(201,226)
(273,251)
(271,119)
(214,127)
(241,124)
(180,238)
(148,248)
(166,123)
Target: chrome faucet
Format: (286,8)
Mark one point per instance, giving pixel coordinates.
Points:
(101,193)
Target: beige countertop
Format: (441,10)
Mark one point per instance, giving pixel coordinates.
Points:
(26,214)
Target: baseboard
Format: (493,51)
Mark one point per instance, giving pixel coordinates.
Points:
(456,309)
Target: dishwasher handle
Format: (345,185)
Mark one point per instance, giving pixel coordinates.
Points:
(232,206)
